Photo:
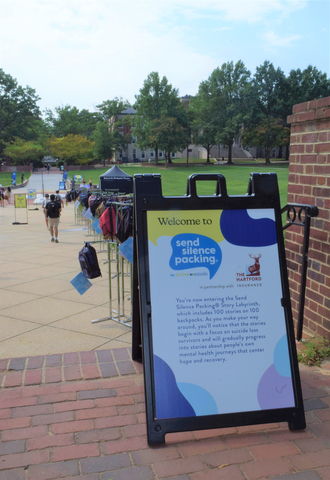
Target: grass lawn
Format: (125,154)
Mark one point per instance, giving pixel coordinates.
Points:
(174,179)
(5,178)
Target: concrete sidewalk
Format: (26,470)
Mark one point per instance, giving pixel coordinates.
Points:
(40,312)
(72,400)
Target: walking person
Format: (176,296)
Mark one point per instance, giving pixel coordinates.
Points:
(8,194)
(2,196)
(44,203)
(59,198)
(53,209)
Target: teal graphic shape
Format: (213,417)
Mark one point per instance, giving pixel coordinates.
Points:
(281,357)
(200,399)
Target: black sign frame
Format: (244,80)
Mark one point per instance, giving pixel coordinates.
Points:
(262,193)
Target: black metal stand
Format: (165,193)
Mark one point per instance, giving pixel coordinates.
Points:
(305,213)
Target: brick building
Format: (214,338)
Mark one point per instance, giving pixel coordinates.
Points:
(309,183)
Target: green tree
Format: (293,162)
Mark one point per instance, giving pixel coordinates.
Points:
(157,98)
(110,112)
(73,149)
(70,120)
(23,152)
(309,84)
(104,147)
(267,106)
(228,89)
(269,133)
(203,124)
(169,135)
(111,109)
(18,109)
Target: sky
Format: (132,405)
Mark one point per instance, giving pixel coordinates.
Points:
(81,53)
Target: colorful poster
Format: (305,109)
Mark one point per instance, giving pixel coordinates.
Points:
(32,194)
(218,326)
(20,200)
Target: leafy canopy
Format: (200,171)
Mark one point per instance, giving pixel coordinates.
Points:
(23,152)
(73,149)
(18,109)
(157,99)
(70,120)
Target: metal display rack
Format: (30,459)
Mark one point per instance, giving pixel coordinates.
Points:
(120,270)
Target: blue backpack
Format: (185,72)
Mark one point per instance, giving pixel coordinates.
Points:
(88,262)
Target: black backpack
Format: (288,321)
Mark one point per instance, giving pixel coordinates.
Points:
(125,226)
(84,196)
(53,209)
(74,194)
(88,262)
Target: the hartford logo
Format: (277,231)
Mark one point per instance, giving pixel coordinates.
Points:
(252,271)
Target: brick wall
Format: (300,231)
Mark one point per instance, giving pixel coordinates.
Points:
(309,183)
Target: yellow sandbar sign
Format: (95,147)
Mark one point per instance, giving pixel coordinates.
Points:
(20,200)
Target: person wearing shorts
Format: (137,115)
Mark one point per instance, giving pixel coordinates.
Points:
(44,203)
(53,209)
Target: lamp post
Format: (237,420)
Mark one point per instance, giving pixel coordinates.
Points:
(42,183)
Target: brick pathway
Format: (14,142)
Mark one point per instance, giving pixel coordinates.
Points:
(80,416)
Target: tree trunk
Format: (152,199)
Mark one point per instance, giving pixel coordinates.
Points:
(267,155)
(156,159)
(230,147)
(169,158)
(208,154)
(287,152)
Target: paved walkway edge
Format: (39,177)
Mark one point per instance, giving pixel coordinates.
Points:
(44,369)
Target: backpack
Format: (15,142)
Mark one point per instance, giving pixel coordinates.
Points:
(125,227)
(91,199)
(53,209)
(108,222)
(99,210)
(74,194)
(93,206)
(84,199)
(88,262)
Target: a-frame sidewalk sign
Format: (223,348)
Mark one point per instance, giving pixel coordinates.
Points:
(20,202)
(212,315)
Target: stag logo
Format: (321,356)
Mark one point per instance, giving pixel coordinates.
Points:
(254,270)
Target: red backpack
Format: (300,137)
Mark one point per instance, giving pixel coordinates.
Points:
(108,222)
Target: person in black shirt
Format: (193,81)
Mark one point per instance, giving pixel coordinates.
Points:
(53,210)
